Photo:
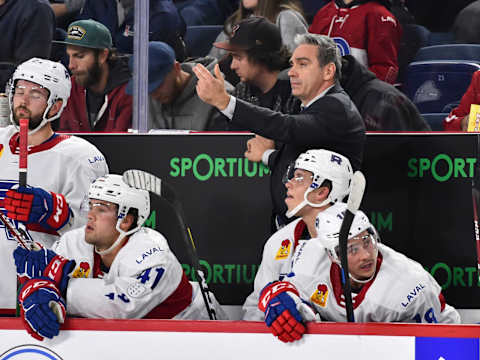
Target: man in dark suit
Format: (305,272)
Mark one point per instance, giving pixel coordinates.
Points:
(329,119)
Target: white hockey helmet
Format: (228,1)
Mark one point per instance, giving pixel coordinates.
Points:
(113,189)
(51,75)
(324,165)
(328,229)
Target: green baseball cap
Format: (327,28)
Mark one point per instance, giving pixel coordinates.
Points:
(88,33)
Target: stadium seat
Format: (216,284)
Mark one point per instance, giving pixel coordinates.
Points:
(466,52)
(435,120)
(441,38)
(199,39)
(438,86)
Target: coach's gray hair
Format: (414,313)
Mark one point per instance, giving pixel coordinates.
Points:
(328,51)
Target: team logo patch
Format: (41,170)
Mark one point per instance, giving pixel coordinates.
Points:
(82,270)
(320,295)
(342,45)
(284,250)
(1,150)
(76,32)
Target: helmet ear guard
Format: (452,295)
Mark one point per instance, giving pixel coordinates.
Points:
(113,189)
(52,76)
(324,165)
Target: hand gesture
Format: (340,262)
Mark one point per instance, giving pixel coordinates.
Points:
(211,89)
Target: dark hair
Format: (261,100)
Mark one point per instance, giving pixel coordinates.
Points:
(327,50)
(112,55)
(267,8)
(272,60)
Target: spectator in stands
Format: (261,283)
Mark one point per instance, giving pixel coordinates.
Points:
(286,14)
(98,101)
(118,16)
(205,12)
(365,29)
(258,56)
(466,28)
(329,118)
(457,120)
(27,28)
(173,101)
(66,11)
(382,106)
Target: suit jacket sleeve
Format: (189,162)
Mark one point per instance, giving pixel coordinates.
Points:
(325,121)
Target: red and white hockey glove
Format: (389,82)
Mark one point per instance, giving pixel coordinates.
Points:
(59,270)
(284,311)
(35,205)
(42,308)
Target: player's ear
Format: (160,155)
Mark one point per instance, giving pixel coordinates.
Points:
(57,105)
(127,222)
(320,194)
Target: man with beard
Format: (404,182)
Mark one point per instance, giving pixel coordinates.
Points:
(98,101)
(60,167)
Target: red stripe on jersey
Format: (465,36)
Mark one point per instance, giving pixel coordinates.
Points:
(178,301)
(442,302)
(14,142)
(7,312)
(297,233)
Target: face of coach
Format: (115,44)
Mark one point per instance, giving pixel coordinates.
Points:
(307,77)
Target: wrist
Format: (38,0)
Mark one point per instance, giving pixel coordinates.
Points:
(223,102)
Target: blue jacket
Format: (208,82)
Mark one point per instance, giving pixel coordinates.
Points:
(165,23)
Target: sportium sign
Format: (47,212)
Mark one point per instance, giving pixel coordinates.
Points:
(442,167)
(203,167)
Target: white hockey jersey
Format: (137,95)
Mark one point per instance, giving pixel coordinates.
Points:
(63,164)
(145,280)
(276,261)
(401,291)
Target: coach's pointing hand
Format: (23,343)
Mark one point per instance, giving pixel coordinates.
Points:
(211,89)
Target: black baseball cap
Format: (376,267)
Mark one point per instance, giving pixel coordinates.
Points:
(253,32)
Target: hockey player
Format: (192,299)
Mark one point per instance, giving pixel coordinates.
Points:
(317,179)
(386,285)
(60,167)
(110,268)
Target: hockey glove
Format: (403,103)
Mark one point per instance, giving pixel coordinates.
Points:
(30,263)
(35,205)
(58,270)
(284,311)
(42,308)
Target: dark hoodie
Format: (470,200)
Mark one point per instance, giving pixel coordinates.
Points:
(119,74)
(382,106)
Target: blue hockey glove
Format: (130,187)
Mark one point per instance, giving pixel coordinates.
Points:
(42,308)
(284,311)
(35,205)
(30,263)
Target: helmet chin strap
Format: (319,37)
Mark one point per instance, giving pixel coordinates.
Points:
(362,281)
(305,202)
(117,242)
